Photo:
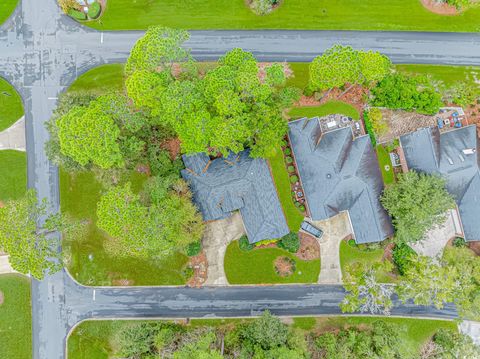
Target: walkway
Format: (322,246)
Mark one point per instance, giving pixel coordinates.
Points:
(436,239)
(218,234)
(13,138)
(335,229)
(5,266)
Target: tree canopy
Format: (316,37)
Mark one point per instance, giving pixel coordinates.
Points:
(416,202)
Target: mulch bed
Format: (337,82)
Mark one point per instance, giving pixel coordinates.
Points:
(199,264)
(439,8)
(172,145)
(309,247)
(284,266)
(143,169)
(388,252)
(475,247)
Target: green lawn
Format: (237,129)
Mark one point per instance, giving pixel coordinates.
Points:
(96,339)
(13,180)
(88,261)
(11,106)
(15,317)
(256,266)
(331,107)
(6,9)
(282,182)
(448,74)
(384,160)
(350,255)
(102,79)
(405,15)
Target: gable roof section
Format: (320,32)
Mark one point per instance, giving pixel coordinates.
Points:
(461,171)
(339,174)
(238,182)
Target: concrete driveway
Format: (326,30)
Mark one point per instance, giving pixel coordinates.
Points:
(436,239)
(335,229)
(218,234)
(13,138)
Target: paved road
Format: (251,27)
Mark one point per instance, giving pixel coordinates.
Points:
(42,52)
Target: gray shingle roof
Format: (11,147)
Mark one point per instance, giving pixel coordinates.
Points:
(341,173)
(237,183)
(426,150)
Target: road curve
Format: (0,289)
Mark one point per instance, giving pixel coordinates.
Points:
(42,52)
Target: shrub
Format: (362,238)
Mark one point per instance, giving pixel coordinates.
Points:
(297,204)
(402,256)
(293,179)
(194,248)
(288,151)
(77,15)
(290,242)
(284,143)
(94,10)
(351,242)
(291,169)
(188,273)
(68,5)
(289,159)
(244,244)
(459,242)
(265,242)
(302,208)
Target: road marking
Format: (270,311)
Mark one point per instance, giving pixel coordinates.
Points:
(94,292)
(53,98)
(101,38)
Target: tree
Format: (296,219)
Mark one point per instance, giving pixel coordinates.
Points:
(398,91)
(267,332)
(28,235)
(366,294)
(416,202)
(275,75)
(159,48)
(454,345)
(374,66)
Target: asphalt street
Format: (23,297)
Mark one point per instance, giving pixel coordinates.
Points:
(42,52)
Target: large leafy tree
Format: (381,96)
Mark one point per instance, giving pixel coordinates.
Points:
(159,48)
(28,233)
(365,292)
(416,202)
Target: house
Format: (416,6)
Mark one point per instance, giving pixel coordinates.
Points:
(454,156)
(238,182)
(340,173)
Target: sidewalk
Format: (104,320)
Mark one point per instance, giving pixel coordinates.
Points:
(13,138)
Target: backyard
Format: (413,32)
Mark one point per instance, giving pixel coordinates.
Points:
(99,340)
(385,165)
(257,266)
(301,14)
(15,317)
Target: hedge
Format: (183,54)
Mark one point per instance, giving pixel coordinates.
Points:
(194,248)
(291,169)
(94,10)
(293,179)
(369,128)
(288,151)
(77,15)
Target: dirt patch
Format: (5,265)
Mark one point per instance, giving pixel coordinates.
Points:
(2,298)
(172,145)
(388,252)
(262,66)
(123,282)
(309,247)
(440,8)
(250,5)
(143,169)
(284,266)
(199,264)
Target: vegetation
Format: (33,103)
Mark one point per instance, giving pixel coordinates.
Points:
(94,10)
(247,338)
(194,248)
(6,9)
(399,91)
(11,106)
(290,242)
(15,317)
(239,265)
(13,182)
(28,242)
(403,255)
(328,108)
(244,244)
(100,80)
(227,14)
(416,203)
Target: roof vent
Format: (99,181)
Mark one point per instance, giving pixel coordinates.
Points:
(328,175)
(461,158)
(449,160)
(469,151)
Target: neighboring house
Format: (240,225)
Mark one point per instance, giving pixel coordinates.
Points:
(238,182)
(340,173)
(454,156)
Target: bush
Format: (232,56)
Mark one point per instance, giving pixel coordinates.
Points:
(297,204)
(302,208)
(402,256)
(284,143)
(290,242)
(77,15)
(293,179)
(94,10)
(288,151)
(188,273)
(194,248)
(289,159)
(459,242)
(351,242)
(291,169)
(244,244)
(265,242)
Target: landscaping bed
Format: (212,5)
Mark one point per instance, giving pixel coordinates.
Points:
(15,317)
(257,266)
